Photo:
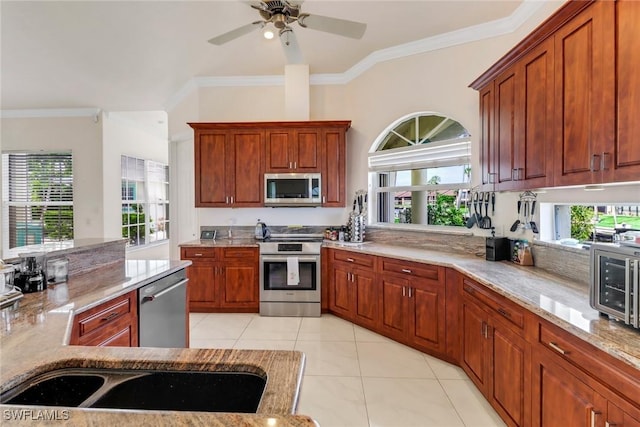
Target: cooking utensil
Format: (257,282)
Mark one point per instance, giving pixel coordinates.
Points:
(515,224)
(486,221)
(472,217)
(493,203)
(532,223)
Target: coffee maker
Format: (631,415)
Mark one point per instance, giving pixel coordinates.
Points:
(32,274)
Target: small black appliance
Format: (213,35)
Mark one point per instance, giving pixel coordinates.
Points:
(497,249)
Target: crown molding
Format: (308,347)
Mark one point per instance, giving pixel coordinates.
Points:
(50,112)
(474,33)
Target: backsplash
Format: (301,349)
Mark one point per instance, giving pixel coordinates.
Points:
(571,263)
(446,242)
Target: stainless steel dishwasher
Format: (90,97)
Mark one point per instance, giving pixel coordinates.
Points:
(162,312)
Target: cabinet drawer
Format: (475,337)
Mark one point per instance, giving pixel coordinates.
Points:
(353,258)
(105,314)
(240,253)
(194,253)
(593,361)
(425,271)
(497,303)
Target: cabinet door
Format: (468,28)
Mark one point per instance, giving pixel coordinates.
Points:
(210,177)
(365,298)
(534,142)
(333,167)
(617,417)
(559,398)
(278,155)
(427,322)
(475,352)
(487,124)
(239,285)
(245,168)
(626,156)
(202,286)
(307,153)
(394,307)
(585,88)
(509,370)
(507,111)
(339,291)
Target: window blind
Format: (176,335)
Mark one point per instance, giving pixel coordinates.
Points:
(38,196)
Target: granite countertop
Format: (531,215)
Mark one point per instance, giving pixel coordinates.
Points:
(60,248)
(222,243)
(34,338)
(555,299)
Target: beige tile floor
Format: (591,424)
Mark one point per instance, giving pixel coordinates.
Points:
(354,377)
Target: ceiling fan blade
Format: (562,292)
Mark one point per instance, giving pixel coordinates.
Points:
(290,46)
(234,34)
(342,27)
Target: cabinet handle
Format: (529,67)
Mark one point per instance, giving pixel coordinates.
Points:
(295,165)
(514,174)
(110,316)
(197,254)
(406,270)
(290,166)
(603,163)
(557,348)
(404,291)
(492,177)
(350,259)
(594,414)
(504,312)
(485,330)
(594,162)
(324,199)
(231,199)
(410,296)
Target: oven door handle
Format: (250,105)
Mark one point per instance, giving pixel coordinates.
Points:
(283,258)
(636,297)
(627,292)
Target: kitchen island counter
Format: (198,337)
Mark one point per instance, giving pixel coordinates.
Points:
(34,339)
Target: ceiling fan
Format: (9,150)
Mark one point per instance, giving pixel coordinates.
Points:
(281,14)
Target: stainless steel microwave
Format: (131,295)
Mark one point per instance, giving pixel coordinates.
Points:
(615,280)
(292,189)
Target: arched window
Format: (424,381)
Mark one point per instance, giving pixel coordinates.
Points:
(419,171)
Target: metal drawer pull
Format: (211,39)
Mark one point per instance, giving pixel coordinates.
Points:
(410,296)
(110,316)
(406,270)
(557,348)
(504,312)
(350,259)
(404,291)
(197,254)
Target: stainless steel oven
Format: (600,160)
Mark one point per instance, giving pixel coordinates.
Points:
(615,279)
(290,276)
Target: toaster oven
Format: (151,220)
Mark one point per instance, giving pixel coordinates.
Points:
(615,280)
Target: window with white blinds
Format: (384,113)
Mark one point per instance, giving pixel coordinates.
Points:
(37,198)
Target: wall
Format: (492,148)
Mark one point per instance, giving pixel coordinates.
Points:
(81,135)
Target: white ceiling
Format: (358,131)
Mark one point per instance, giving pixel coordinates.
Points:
(136,55)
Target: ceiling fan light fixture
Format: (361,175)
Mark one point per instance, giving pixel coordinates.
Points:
(268,33)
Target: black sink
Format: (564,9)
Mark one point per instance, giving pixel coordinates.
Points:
(187,391)
(61,390)
(142,389)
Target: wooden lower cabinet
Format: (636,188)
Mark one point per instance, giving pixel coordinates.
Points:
(110,324)
(223,279)
(495,354)
(353,294)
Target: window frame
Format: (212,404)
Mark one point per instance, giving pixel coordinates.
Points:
(415,156)
(9,179)
(132,197)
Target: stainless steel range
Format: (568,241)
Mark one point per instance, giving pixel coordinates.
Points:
(290,275)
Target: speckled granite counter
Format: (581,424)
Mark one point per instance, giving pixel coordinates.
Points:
(557,300)
(33,340)
(222,243)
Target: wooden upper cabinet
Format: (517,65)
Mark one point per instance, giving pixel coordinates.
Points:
(210,175)
(623,163)
(585,92)
(293,150)
(506,116)
(487,151)
(232,158)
